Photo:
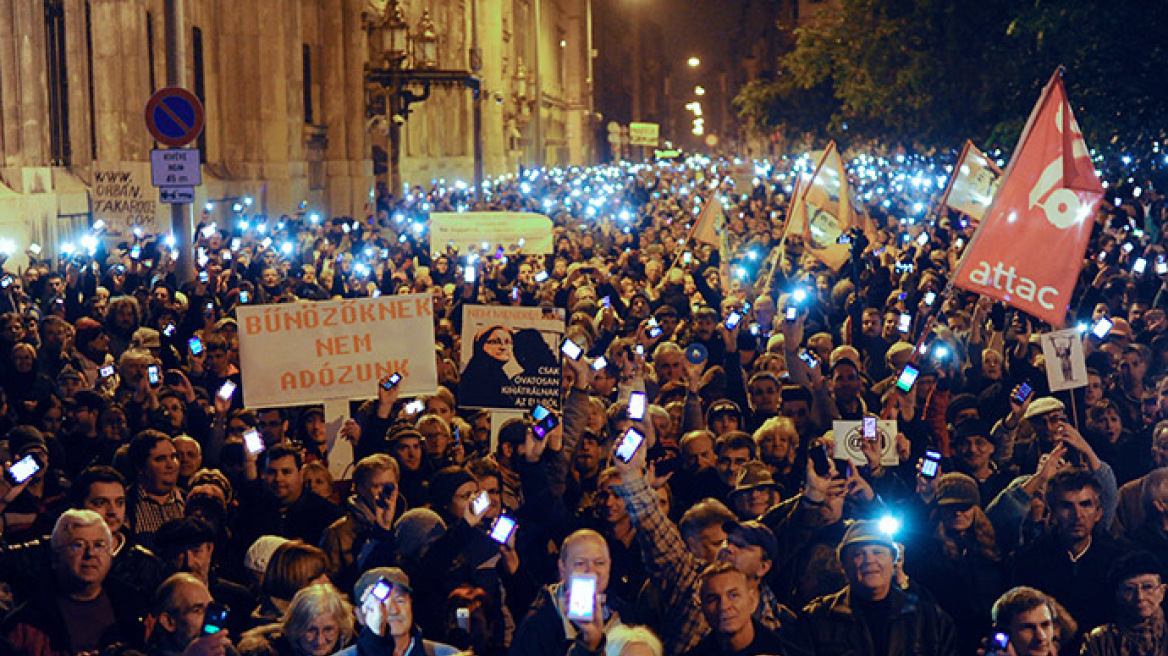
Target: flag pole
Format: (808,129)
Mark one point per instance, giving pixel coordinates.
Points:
(949,284)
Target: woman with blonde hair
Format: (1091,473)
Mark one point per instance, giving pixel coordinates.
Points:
(624,640)
(318,622)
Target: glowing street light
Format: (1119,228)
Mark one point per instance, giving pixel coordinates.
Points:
(694,62)
(699,91)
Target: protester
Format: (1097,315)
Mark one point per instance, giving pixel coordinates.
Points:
(387,625)
(647,276)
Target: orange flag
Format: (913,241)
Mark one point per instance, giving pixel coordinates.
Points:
(1029,248)
(973,184)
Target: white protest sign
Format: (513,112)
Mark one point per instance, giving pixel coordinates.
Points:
(123,197)
(467,231)
(1066,368)
(849,438)
(644,134)
(302,353)
(510,357)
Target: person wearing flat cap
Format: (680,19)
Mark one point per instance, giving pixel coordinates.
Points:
(1136,581)
(871,616)
(1057,446)
(385,614)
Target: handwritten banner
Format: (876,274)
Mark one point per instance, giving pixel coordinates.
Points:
(123,197)
(514,231)
(300,353)
(510,357)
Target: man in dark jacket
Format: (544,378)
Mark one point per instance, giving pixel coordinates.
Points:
(545,630)
(871,616)
(1070,562)
(77,612)
(385,613)
(1136,582)
(728,599)
(279,505)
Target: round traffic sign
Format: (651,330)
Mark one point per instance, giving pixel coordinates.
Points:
(174,116)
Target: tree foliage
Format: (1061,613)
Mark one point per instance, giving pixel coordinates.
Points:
(930,73)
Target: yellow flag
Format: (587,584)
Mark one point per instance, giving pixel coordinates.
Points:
(974,183)
(824,211)
(709,221)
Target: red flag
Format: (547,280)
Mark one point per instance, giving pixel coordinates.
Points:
(1029,248)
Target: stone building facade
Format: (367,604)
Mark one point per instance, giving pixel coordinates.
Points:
(284,89)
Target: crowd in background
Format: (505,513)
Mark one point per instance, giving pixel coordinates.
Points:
(994,506)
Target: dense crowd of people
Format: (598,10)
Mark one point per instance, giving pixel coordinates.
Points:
(145,509)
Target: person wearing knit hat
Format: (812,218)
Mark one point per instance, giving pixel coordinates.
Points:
(255,561)
(1137,587)
(860,613)
(416,530)
(954,489)
(70,381)
(93,348)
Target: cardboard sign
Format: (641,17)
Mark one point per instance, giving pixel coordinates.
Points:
(124,198)
(644,134)
(514,231)
(849,436)
(303,353)
(510,357)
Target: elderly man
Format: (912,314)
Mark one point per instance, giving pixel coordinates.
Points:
(182,602)
(871,616)
(546,628)
(1136,581)
(76,611)
(1131,511)
(385,612)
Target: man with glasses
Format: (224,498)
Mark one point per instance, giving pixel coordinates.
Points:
(273,424)
(1139,618)
(77,612)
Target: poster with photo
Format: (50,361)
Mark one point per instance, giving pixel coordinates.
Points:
(1066,367)
(510,357)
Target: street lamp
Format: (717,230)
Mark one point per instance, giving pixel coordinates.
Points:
(426,44)
(694,62)
(699,91)
(393,73)
(395,35)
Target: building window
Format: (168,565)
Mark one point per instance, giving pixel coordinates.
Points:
(307,60)
(58,83)
(200,85)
